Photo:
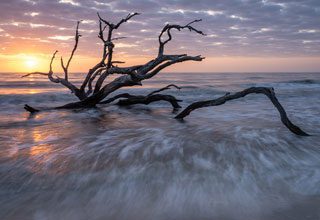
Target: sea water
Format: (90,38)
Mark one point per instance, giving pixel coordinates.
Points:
(235,161)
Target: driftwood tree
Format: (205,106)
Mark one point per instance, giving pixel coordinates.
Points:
(95,89)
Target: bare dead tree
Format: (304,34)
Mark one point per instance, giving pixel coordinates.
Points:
(94,88)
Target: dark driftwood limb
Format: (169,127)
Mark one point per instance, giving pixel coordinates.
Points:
(66,67)
(164,88)
(140,99)
(269,92)
(149,99)
(80,94)
(30,109)
(49,74)
(167,29)
(129,100)
(122,95)
(35,73)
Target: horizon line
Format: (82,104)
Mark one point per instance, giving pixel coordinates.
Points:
(193,72)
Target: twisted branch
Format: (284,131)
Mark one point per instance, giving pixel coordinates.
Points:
(65,68)
(269,92)
(164,88)
(167,30)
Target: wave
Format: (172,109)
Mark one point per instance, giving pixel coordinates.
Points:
(304,81)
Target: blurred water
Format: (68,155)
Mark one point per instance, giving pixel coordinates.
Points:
(235,161)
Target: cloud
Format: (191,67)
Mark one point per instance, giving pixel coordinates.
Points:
(32,14)
(309,31)
(63,38)
(71,2)
(233,28)
(123,45)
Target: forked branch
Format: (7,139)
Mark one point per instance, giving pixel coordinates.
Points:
(164,88)
(167,29)
(65,68)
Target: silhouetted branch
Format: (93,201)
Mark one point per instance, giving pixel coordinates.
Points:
(129,16)
(118,38)
(65,68)
(50,77)
(171,62)
(34,73)
(146,100)
(50,73)
(122,95)
(164,88)
(127,99)
(97,72)
(30,109)
(167,29)
(108,44)
(269,92)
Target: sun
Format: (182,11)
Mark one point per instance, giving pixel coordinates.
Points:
(31,62)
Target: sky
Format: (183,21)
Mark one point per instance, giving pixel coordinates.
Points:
(241,35)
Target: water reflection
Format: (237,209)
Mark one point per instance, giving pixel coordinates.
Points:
(40,150)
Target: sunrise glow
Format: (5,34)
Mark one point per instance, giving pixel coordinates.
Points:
(160,109)
(31,63)
(233,33)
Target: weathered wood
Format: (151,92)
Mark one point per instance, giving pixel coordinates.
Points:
(30,109)
(269,92)
(146,100)
(94,88)
(164,88)
(66,68)
(167,29)
(127,99)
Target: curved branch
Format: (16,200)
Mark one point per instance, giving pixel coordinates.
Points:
(81,95)
(127,95)
(129,16)
(49,74)
(149,99)
(164,88)
(50,77)
(34,73)
(140,99)
(65,68)
(122,95)
(171,62)
(104,21)
(98,72)
(167,30)
(269,92)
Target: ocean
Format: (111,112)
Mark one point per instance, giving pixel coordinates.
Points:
(234,161)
